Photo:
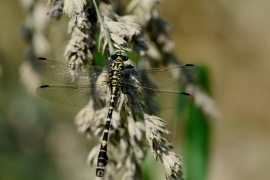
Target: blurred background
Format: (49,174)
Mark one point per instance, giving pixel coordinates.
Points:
(38,138)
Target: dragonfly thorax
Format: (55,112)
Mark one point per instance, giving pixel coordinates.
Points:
(115,77)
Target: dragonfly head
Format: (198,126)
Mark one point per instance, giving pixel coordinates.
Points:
(119,55)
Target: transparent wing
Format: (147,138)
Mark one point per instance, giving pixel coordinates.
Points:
(62,72)
(151,100)
(162,77)
(72,95)
(155,99)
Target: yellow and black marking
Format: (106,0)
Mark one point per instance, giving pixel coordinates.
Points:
(114,83)
(122,76)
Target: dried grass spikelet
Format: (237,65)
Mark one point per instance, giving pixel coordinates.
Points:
(110,9)
(154,128)
(73,7)
(125,30)
(82,28)
(136,36)
(34,33)
(57,8)
(35,28)
(91,120)
(84,119)
(78,49)
(160,147)
(173,166)
(77,10)
(125,138)
(158,30)
(28,77)
(27,4)
(144,9)
(204,102)
(40,24)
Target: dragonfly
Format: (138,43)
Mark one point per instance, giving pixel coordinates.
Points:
(87,82)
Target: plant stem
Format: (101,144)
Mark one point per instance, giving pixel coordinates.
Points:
(111,48)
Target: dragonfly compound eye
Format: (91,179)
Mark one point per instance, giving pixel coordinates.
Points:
(114,56)
(124,56)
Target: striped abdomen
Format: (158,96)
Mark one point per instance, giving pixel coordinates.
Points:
(114,83)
